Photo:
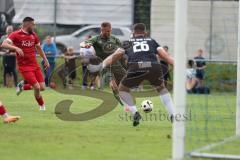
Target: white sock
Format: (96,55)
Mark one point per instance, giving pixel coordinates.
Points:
(127,100)
(42,108)
(132,109)
(5,115)
(168,102)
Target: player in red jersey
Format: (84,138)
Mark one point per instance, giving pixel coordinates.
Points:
(26,44)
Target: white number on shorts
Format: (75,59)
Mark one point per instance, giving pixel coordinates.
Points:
(140,46)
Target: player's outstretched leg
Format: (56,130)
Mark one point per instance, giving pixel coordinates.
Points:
(127,100)
(6,117)
(21,86)
(114,88)
(37,87)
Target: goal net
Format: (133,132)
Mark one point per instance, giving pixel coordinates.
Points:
(210,132)
(211,128)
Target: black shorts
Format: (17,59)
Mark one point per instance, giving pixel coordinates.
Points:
(200,74)
(9,70)
(137,74)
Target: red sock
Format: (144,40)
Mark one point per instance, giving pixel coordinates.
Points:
(2,110)
(40,101)
(27,87)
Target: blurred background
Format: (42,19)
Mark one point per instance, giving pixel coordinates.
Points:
(212,32)
(212,23)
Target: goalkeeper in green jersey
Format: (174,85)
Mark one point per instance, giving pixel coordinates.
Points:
(105,44)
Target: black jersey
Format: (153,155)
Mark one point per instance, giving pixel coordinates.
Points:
(142,50)
(200,61)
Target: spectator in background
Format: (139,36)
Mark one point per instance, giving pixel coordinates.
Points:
(70,65)
(191,81)
(200,67)
(86,53)
(50,49)
(94,67)
(3,23)
(165,68)
(9,61)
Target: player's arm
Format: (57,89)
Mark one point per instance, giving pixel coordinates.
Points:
(117,55)
(7,43)
(164,55)
(42,54)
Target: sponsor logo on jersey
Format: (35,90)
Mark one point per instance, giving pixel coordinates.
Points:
(27,43)
(109,47)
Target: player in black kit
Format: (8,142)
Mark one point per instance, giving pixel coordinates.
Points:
(142,65)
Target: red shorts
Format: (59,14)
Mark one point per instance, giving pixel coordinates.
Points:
(33,77)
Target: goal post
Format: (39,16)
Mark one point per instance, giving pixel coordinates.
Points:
(179,147)
(238,80)
(179,78)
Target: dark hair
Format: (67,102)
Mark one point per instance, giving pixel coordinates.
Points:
(106,24)
(190,63)
(165,47)
(139,28)
(28,19)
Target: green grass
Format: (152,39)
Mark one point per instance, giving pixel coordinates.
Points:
(41,135)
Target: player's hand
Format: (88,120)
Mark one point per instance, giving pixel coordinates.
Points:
(46,65)
(19,51)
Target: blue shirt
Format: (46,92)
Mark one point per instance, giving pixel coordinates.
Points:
(50,51)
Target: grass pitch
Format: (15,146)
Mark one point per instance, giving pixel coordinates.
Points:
(41,135)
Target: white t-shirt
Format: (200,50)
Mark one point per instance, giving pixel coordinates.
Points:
(87,52)
(191,73)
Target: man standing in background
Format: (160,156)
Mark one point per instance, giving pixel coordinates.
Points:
(201,66)
(50,49)
(9,61)
(165,69)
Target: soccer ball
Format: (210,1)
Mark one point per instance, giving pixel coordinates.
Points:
(147,106)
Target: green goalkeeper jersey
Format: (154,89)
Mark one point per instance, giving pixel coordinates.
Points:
(104,47)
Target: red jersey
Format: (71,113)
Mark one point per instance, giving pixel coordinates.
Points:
(27,43)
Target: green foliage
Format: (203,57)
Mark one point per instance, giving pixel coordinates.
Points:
(221,77)
(218,77)
(142,12)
